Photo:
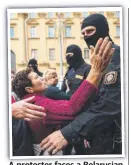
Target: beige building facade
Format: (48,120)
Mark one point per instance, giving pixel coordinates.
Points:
(45,36)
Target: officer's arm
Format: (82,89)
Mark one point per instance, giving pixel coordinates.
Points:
(97,117)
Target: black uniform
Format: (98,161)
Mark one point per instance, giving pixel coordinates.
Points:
(100,123)
(78,71)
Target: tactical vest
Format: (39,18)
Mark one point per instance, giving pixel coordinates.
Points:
(79,75)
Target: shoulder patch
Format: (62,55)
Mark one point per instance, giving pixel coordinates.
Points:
(110,78)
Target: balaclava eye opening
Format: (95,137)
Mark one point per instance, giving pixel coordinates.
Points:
(76,60)
(101,25)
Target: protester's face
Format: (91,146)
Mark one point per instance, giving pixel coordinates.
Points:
(53,80)
(38,83)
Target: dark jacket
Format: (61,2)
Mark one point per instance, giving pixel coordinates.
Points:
(54,93)
(97,123)
(22,138)
(76,79)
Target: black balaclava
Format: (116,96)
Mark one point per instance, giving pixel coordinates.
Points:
(33,63)
(101,25)
(76,60)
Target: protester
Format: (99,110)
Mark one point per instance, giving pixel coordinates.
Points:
(53,91)
(51,77)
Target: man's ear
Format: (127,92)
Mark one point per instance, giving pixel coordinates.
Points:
(29,90)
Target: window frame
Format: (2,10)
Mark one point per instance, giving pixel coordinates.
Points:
(52,54)
(35,53)
(52,36)
(117,35)
(13,32)
(86,56)
(67,36)
(33,34)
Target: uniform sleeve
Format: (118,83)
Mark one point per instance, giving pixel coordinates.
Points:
(99,115)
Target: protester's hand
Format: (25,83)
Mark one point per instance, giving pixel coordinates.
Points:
(54,142)
(100,55)
(25,110)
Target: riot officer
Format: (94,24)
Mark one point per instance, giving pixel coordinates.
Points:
(77,71)
(99,123)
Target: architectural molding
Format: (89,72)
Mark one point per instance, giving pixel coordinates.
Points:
(68,21)
(50,22)
(33,21)
(77,14)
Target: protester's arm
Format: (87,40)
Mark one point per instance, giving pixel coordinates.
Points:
(77,101)
(24,109)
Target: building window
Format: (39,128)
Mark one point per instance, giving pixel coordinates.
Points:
(52,54)
(84,14)
(117,13)
(12,15)
(86,53)
(33,32)
(68,31)
(32,15)
(101,12)
(67,15)
(51,32)
(12,32)
(34,53)
(50,15)
(117,31)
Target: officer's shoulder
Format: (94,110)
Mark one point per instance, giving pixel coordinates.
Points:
(85,65)
(117,49)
